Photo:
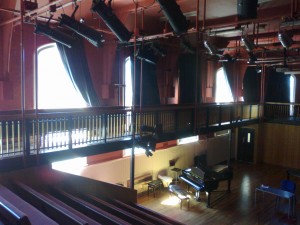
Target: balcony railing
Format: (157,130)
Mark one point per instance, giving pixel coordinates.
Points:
(38,132)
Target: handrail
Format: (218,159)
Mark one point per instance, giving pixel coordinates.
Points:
(65,129)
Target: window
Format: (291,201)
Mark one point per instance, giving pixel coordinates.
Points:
(55,88)
(128,82)
(292,93)
(223,92)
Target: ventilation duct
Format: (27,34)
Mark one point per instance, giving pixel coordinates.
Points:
(93,36)
(174,15)
(110,19)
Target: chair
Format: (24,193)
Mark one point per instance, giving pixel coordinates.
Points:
(290,186)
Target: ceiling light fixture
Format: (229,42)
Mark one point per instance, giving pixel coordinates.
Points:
(248,43)
(285,39)
(93,36)
(54,34)
(174,15)
(211,49)
(110,19)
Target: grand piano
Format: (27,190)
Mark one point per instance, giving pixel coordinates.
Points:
(206,180)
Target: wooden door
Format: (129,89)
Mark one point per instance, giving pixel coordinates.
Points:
(246,145)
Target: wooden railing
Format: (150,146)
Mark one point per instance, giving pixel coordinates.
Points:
(274,110)
(44,131)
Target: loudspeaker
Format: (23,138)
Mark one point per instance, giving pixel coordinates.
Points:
(247,9)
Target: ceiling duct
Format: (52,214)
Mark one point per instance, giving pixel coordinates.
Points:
(111,20)
(174,15)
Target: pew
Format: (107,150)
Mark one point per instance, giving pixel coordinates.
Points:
(146,213)
(34,215)
(11,214)
(81,215)
(88,209)
(121,213)
(47,206)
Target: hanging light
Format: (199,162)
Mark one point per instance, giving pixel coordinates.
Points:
(248,43)
(110,19)
(54,34)
(93,36)
(211,49)
(285,39)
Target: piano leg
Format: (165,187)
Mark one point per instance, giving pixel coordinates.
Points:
(228,186)
(208,199)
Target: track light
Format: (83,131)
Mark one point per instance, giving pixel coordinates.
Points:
(93,36)
(148,143)
(285,39)
(252,58)
(110,19)
(248,43)
(175,16)
(211,49)
(54,34)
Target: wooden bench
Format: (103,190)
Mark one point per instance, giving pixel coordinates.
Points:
(11,214)
(145,213)
(34,215)
(113,209)
(88,209)
(180,194)
(48,207)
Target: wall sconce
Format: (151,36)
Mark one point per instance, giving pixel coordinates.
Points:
(175,16)
(110,19)
(93,36)
(211,49)
(285,39)
(248,43)
(54,34)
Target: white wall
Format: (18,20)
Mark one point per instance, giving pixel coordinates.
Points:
(118,171)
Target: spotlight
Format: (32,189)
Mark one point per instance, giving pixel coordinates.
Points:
(285,39)
(93,36)
(54,34)
(110,19)
(248,43)
(211,49)
(252,58)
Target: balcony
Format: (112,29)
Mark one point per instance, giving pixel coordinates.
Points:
(47,135)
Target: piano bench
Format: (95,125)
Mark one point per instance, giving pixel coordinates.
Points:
(180,194)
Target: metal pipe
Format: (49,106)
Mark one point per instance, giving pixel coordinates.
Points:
(133,115)
(37,11)
(204,14)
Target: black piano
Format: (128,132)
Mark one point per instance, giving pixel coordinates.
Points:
(206,179)
(196,178)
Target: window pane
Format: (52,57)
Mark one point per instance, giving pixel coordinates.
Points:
(223,92)
(55,88)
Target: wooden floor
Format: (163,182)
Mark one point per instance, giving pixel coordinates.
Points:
(235,208)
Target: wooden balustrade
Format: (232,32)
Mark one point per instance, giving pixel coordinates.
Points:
(42,131)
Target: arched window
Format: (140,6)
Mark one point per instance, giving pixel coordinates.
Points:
(223,92)
(55,88)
